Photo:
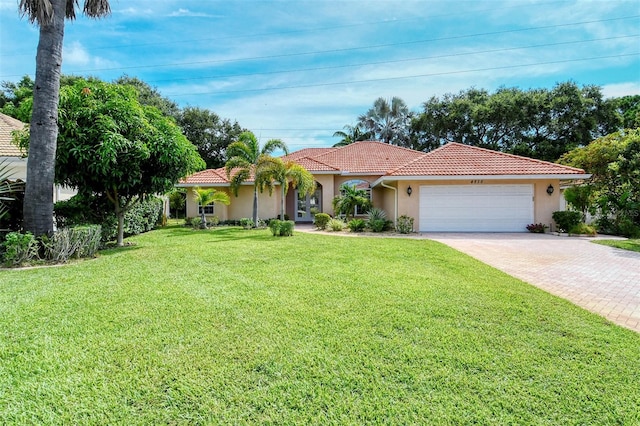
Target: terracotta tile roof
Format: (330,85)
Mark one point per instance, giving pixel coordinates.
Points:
(209,176)
(8,125)
(374,158)
(377,158)
(455,159)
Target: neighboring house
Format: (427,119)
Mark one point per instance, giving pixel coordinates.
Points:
(17,163)
(10,154)
(455,188)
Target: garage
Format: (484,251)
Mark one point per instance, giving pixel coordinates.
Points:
(476,208)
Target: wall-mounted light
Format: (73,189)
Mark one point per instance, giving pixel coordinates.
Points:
(550,189)
(409,191)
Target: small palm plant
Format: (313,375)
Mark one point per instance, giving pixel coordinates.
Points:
(206,196)
(350,197)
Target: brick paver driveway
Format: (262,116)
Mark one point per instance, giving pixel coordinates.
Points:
(602,279)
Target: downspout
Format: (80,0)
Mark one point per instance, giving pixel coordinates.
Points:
(395,201)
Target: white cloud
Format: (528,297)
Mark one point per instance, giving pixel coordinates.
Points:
(76,55)
(621,89)
(188,13)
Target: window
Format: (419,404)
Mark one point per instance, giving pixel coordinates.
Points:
(361,185)
(208,209)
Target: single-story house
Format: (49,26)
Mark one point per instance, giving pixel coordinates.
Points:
(11,156)
(455,188)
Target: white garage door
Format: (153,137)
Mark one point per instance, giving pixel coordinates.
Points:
(476,208)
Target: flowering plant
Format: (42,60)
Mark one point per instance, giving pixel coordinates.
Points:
(537,228)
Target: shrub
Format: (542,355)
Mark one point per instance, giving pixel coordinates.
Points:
(187,221)
(84,209)
(246,223)
(196,222)
(566,219)
(286,228)
(377,225)
(78,241)
(405,224)
(356,225)
(377,220)
(335,225)
(19,248)
(376,214)
(274,226)
(213,221)
(537,228)
(321,220)
(583,228)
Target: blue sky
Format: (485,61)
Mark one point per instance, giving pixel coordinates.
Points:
(300,70)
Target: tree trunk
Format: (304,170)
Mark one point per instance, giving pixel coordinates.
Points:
(255,207)
(283,201)
(38,197)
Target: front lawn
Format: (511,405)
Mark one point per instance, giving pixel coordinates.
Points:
(633,245)
(231,326)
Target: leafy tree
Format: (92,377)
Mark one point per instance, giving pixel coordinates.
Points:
(351,134)
(387,122)
(629,108)
(538,123)
(50,16)
(614,162)
(272,170)
(150,96)
(244,156)
(206,196)
(350,197)
(110,144)
(17,99)
(209,133)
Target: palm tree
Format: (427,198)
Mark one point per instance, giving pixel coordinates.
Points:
(350,197)
(244,155)
(206,196)
(49,15)
(270,171)
(350,135)
(387,122)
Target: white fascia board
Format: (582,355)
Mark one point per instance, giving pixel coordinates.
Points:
(207,185)
(484,177)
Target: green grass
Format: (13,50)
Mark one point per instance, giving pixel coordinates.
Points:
(633,245)
(238,327)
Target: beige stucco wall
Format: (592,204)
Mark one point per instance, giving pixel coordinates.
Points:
(241,206)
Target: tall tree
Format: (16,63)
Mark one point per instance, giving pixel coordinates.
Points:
(150,96)
(271,171)
(209,133)
(351,134)
(539,123)
(244,155)
(111,145)
(387,122)
(50,16)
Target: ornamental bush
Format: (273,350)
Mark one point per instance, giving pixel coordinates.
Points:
(356,225)
(335,225)
(404,225)
(19,248)
(583,229)
(321,220)
(274,226)
(286,228)
(566,219)
(82,209)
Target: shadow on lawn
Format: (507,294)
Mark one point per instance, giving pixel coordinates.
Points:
(222,233)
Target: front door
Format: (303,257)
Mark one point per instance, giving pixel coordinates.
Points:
(308,205)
